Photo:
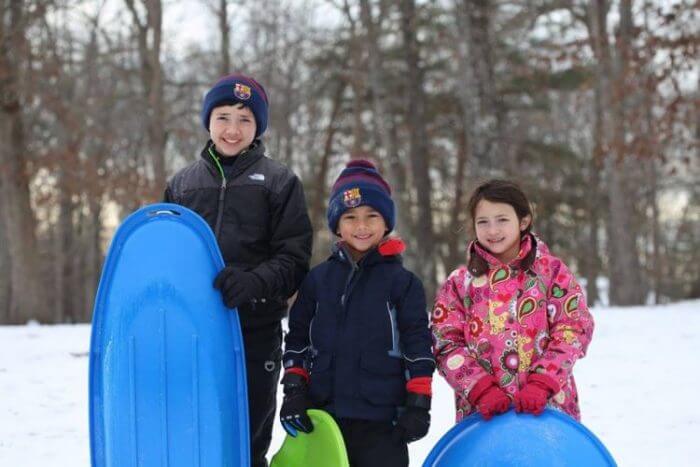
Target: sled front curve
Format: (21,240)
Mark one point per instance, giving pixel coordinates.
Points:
(522,440)
(323,447)
(167,367)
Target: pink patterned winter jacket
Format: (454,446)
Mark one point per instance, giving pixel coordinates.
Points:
(510,322)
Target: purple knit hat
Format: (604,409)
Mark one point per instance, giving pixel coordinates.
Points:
(360,184)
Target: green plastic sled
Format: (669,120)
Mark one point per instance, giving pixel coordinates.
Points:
(322,447)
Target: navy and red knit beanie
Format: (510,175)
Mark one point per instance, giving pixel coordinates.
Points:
(360,184)
(237,89)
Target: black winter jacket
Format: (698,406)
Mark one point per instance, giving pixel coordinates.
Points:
(361,331)
(259,216)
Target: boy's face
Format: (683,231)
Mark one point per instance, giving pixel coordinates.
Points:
(361,228)
(232,128)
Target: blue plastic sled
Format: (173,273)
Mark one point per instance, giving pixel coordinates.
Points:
(167,369)
(522,440)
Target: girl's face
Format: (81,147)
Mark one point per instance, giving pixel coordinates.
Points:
(498,229)
(232,129)
(361,228)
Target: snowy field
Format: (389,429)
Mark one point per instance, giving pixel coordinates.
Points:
(639,388)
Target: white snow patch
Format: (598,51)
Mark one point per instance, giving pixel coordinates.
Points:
(638,388)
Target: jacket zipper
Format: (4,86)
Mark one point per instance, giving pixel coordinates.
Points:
(395,350)
(348,285)
(220,208)
(222,195)
(312,349)
(354,275)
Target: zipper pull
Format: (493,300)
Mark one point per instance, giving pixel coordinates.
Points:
(222,191)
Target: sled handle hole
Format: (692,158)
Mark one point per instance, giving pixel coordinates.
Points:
(161,212)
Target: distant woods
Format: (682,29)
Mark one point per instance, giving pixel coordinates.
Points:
(593,106)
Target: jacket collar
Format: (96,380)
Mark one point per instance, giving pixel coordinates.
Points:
(527,243)
(388,251)
(244,160)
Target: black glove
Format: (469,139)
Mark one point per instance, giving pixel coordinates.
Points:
(238,286)
(414,422)
(295,404)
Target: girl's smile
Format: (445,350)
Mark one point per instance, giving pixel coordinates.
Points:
(498,229)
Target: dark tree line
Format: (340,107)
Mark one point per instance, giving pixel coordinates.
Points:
(592,105)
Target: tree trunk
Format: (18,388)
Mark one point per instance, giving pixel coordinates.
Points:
(317,208)
(456,237)
(652,199)
(399,186)
(62,233)
(94,255)
(374,73)
(149,43)
(626,285)
(591,259)
(78,265)
(20,226)
(5,267)
(156,127)
(224,30)
(419,150)
(384,127)
(483,107)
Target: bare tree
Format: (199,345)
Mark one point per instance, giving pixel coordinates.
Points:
(626,284)
(26,294)
(419,149)
(483,107)
(5,289)
(384,120)
(149,24)
(601,131)
(225,31)
(317,204)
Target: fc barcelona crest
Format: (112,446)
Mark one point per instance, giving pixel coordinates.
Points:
(352,197)
(241,91)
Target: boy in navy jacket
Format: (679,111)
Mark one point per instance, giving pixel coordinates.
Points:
(359,344)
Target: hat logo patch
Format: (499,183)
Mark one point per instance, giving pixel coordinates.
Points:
(242,91)
(352,197)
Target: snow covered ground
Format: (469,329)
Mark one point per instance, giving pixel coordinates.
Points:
(639,388)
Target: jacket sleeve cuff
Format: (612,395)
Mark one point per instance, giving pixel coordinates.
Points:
(544,380)
(420,385)
(480,388)
(295,370)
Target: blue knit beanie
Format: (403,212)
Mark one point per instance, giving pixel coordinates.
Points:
(360,184)
(235,89)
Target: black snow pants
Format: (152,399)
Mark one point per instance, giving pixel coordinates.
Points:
(370,444)
(263,355)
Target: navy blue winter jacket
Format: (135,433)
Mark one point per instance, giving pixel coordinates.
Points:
(361,331)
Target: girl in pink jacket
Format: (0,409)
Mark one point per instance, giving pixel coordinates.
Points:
(509,326)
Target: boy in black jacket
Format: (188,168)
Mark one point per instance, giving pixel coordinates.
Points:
(358,343)
(257,210)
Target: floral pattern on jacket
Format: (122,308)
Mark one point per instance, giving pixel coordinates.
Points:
(510,322)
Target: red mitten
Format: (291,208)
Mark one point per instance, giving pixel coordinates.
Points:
(489,398)
(533,397)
